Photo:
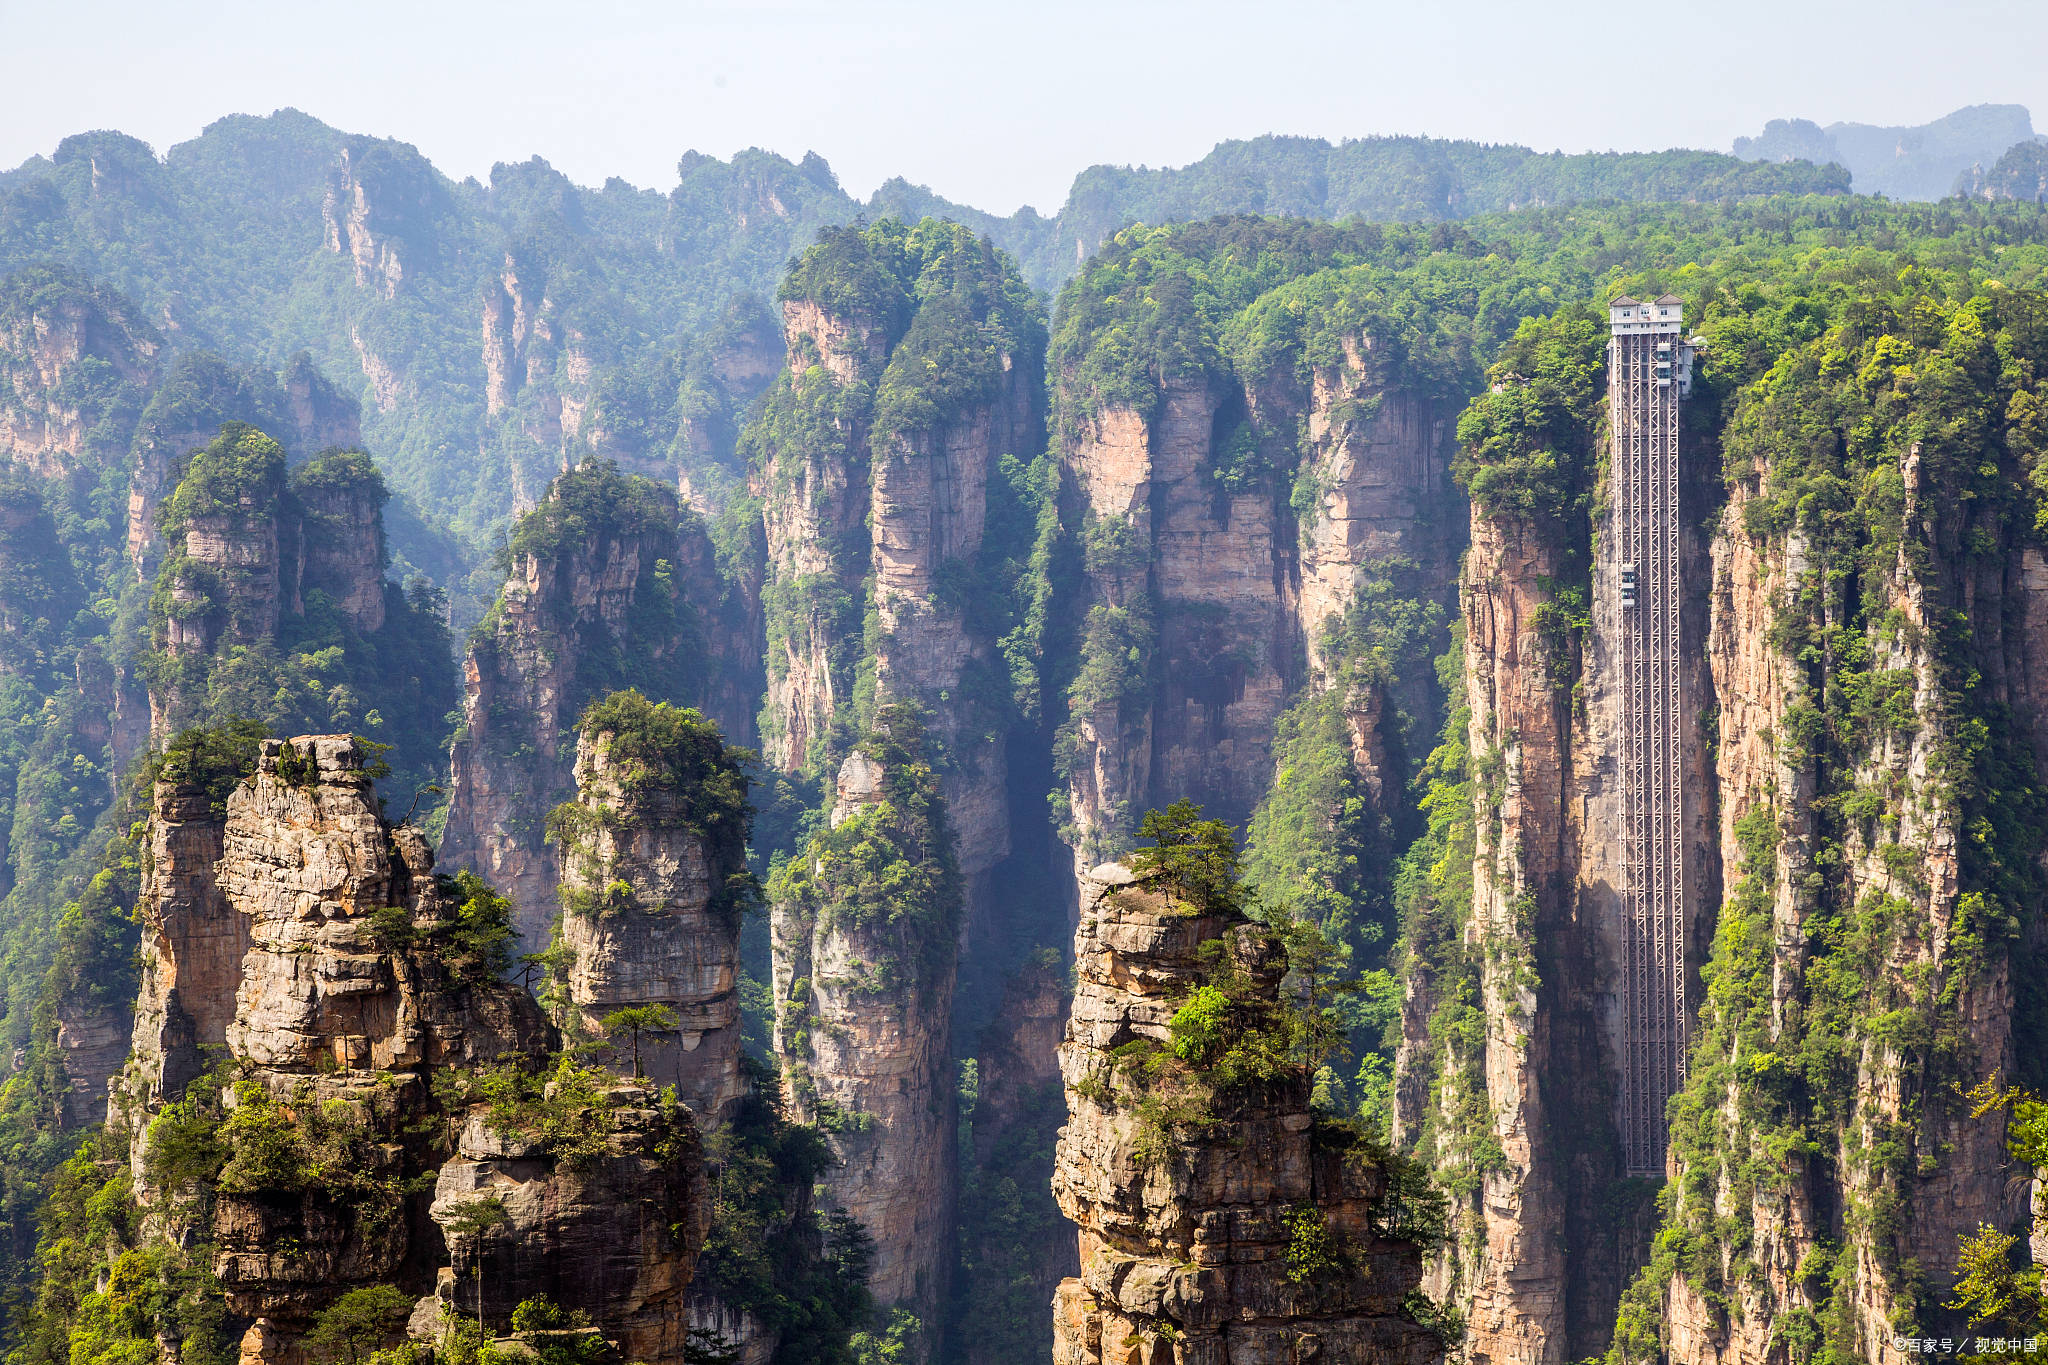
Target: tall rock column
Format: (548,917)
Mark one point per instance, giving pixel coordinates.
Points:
(293,931)
(1180,676)
(654,880)
(865,923)
(1215,1226)
(366,998)
(1880,669)
(594,601)
(913,369)
(192,939)
(1508,1071)
(913,364)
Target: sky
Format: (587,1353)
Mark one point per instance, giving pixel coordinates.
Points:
(997,105)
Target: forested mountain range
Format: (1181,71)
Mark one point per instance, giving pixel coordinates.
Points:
(1007,789)
(487,329)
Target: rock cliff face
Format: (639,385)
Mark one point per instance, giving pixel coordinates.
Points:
(260,936)
(614,1233)
(304,412)
(248,546)
(872,476)
(1823,1166)
(606,583)
(1189,1251)
(535,364)
(1209,600)
(1892,1217)
(313,942)
(651,867)
(912,371)
(382,200)
(192,946)
(71,356)
(863,993)
(1552,1231)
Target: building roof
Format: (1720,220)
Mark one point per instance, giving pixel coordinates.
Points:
(1624,301)
(1670,298)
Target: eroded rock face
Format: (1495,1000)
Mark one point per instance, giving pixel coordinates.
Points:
(615,1235)
(51,338)
(264,938)
(901,508)
(567,613)
(1185,1255)
(1922,964)
(342,550)
(862,1022)
(379,210)
(192,945)
(1235,593)
(1543,1250)
(252,549)
(650,922)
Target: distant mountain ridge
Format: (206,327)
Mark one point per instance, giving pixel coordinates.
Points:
(495,332)
(1919,161)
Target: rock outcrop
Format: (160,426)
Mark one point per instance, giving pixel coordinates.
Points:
(383,200)
(292,929)
(1899,885)
(608,580)
(354,1002)
(654,881)
(303,412)
(872,475)
(72,356)
(863,996)
(613,1232)
(247,547)
(1823,1167)
(1192,1251)
(912,372)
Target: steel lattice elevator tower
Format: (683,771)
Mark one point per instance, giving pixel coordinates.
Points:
(1649,371)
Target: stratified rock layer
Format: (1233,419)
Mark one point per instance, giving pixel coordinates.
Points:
(1185,1255)
(312,942)
(600,599)
(650,924)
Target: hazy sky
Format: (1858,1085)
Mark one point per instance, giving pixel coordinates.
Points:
(996,105)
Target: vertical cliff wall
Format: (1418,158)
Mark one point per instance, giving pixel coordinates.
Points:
(913,371)
(654,882)
(1508,1071)
(322,1026)
(1245,466)
(865,918)
(1846,738)
(271,606)
(910,396)
(607,589)
(1876,658)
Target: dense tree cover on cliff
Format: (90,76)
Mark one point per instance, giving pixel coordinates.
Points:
(886,874)
(942,324)
(1900,445)
(315,671)
(264,236)
(1822,316)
